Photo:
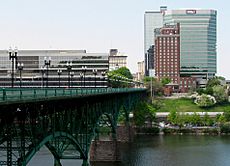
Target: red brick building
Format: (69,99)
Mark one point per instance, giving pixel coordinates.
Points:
(167,57)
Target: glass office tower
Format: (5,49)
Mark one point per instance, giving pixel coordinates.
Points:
(152,20)
(197,41)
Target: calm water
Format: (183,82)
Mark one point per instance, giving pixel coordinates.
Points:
(163,151)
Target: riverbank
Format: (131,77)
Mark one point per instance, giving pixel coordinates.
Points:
(186,105)
(223,130)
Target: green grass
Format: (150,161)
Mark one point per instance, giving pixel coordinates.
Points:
(187,105)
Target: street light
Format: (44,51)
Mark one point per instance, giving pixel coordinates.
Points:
(59,71)
(13,57)
(95,76)
(81,76)
(43,72)
(20,68)
(47,62)
(103,78)
(84,68)
(69,68)
(71,82)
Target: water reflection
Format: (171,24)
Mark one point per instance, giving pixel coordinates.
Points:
(162,151)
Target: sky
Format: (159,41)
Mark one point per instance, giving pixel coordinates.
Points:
(98,25)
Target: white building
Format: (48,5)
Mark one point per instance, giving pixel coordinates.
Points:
(34,74)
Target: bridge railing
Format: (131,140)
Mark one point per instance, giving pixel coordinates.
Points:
(17,94)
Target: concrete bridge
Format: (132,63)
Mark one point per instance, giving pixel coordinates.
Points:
(60,119)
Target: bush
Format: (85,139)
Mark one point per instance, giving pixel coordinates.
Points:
(219,94)
(205,100)
(225,128)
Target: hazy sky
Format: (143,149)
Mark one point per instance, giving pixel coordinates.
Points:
(98,25)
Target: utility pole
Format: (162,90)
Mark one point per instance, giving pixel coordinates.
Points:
(151,87)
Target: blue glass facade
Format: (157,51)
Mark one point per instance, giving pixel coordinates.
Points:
(197,42)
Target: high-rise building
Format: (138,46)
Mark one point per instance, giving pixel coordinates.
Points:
(150,61)
(141,70)
(167,53)
(197,41)
(167,58)
(117,59)
(152,20)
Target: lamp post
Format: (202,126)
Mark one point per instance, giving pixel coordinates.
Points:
(103,78)
(43,72)
(71,81)
(13,57)
(81,77)
(95,77)
(47,62)
(84,68)
(59,71)
(20,68)
(69,68)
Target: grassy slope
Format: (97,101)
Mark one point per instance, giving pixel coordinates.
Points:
(187,105)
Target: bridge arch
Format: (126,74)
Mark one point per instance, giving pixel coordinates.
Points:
(51,137)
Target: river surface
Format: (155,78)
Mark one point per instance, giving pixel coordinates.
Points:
(173,150)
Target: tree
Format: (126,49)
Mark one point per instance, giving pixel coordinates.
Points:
(220,94)
(214,81)
(165,80)
(220,119)
(227,115)
(172,117)
(142,112)
(195,119)
(123,71)
(156,85)
(118,78)
(207,120)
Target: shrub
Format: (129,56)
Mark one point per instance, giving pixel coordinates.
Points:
(219,94)
(205,100)
(225,128)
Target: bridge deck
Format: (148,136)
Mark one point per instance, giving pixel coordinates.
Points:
(10,95)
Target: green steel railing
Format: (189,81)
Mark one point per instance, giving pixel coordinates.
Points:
(17,94)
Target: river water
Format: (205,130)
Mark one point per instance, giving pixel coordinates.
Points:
(173,150)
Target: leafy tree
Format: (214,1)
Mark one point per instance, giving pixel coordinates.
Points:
(207,120)
(142,112)
(219,94)
(213,82)
(165,80)
(180,119)
(118,78)
(156,86)
(123,71)
(227,115)
(221,119)
(172,117)
(195,119)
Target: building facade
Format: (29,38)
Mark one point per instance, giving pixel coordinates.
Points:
(167,59)
(117,59)
(197,41)
(152,20)
(141,70)
(167,53)
(85,69)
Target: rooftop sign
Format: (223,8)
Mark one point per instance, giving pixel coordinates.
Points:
(190,11)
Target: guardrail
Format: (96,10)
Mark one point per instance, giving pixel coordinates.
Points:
(17,94)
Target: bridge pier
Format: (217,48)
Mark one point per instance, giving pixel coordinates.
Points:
(109,150)
(105,151)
